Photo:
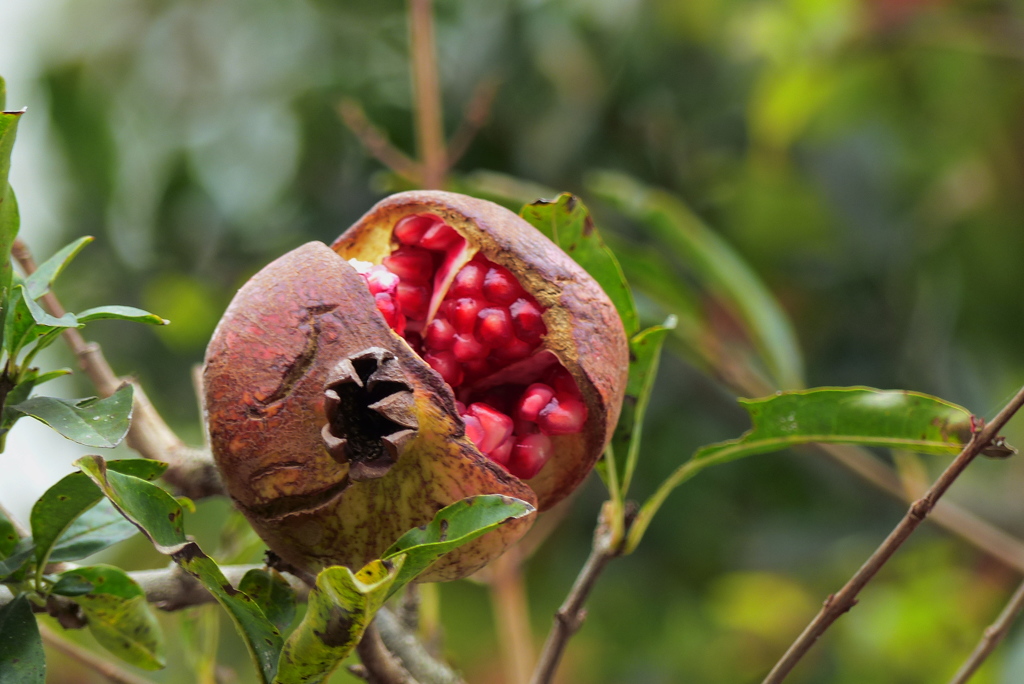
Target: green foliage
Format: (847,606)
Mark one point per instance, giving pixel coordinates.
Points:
(718,268)
(92,422)
(453,526)
(832,415)
(22,660)
(9,220)
(39,282)
(159,516)
(340,607)
(119,616)
(272,594)
(569,225)
(8,536)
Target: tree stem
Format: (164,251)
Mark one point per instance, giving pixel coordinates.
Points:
(991,637)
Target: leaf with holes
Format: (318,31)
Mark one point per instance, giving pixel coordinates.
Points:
(22,660)
(159,516)
(119,616)
(340,607)
(92,422)
(453,526)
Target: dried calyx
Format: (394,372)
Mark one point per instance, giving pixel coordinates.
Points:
(441,348)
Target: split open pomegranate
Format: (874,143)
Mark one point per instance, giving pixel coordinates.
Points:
(441,348)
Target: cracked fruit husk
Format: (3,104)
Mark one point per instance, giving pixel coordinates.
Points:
(441,348)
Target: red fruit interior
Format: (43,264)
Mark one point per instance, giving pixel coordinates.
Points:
(472,321)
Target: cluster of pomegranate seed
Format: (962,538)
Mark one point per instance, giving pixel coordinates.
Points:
(467,324)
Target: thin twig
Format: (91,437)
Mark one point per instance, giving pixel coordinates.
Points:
(426,87)
(104,666)
(846,598)
(376,142)
(474,117)
(382,667)
(570,616)
(191,471)
(512,616)
(991,637)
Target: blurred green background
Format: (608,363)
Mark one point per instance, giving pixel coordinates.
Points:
(865,157)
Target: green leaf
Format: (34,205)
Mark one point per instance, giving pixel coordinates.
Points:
(22,660)
(71,585)
(27,322)
(123,313)
(8,536)
(74,494)
(159,516)
(8,204)
(39,281)
(272,594)
(716,265)
(453,526)
(17,559)
(119,616)
(98,528)
(567,222)
(834,415)
(644,355)
(340,607)
(92,422)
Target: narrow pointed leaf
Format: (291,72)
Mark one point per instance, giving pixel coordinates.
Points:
(715,264)
(569,225)
(119,616)
(159,516)
(272,594)
(27,322)
(39,281)
(93,422)
(644,355)
(123,313)
(340,607)
(22,660)
(453,526)
(8,204)
(865,416)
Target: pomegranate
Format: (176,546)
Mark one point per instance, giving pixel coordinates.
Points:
(440,348)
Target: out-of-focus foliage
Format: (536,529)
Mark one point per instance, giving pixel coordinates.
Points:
(864,156)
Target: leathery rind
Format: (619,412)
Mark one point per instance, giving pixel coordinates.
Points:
(334,437)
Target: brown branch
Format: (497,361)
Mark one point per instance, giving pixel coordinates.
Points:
(427,94)
(846,598)
(411,652)
(381,666)
(571,614)
(190,471)
(376,142)
(474,117)
(991,637)
(103,665)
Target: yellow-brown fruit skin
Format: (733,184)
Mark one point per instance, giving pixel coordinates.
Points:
(584,330)
(267,366)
